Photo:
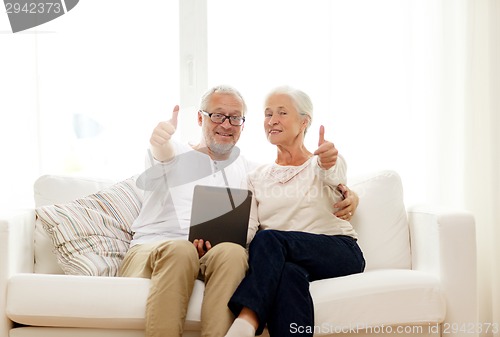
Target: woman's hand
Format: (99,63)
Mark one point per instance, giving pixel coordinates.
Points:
(348,206)
(326,152)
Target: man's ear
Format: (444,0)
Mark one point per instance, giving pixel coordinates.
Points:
(200,118)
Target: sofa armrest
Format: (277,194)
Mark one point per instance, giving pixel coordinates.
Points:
(443,243)
(16,241)
(16,253)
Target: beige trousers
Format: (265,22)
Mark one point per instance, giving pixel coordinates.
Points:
(173,267)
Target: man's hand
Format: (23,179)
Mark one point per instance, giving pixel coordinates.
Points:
(202,246)
(160,139)
(348,206)
(326,152)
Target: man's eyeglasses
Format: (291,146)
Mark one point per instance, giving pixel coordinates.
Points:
(220,118)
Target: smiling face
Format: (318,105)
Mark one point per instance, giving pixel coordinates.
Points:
(221,138)
(282,123)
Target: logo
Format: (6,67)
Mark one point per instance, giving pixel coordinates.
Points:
(26,14)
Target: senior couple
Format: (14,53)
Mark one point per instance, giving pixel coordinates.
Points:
(292,240)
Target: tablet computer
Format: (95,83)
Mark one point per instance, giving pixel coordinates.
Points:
(220,214)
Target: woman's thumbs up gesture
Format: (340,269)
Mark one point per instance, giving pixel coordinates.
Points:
(326,152)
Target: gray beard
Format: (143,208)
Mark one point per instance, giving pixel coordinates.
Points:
(220,148)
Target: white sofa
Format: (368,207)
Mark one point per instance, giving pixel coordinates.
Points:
(420,278)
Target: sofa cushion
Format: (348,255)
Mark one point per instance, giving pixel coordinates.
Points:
(52,189)
(91,235)
(87,302)
(381,221)
(374,298)
(378,298)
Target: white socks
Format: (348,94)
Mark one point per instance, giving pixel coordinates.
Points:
(241,328)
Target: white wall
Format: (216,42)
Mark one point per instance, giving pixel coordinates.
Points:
(19,151)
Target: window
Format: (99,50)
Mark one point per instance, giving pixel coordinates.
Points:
(354,58)
(107,73)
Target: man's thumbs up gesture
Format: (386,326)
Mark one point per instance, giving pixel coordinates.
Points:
(160,139)
(326,152)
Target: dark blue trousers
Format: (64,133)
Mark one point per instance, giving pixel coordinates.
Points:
(281,265)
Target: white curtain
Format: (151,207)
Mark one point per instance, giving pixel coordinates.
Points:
(482,148)
(465,144)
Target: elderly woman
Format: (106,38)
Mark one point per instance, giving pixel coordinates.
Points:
(300,239)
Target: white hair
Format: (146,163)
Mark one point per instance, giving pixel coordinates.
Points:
(221,89)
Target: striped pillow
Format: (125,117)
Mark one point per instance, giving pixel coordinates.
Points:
(91,235)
